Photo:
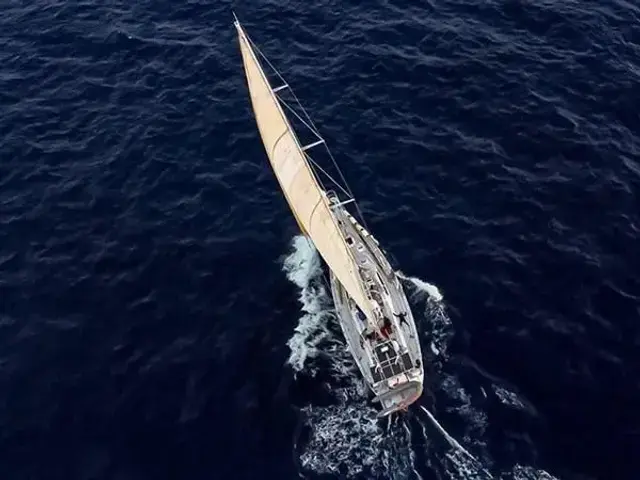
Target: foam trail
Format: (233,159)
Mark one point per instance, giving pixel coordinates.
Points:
(530,473)
(412,454)
(454,443)
(345,437)
(439,328)
(511,399)
(460,402)
(302,264)
(302,267)
(430,289)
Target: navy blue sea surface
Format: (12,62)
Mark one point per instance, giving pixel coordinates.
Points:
(161,317)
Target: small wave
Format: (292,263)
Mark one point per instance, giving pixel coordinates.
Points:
(511,399)
(528,473)
(423,286)
(302,267)
(436,324)
(458,463)
(458,404)
(462,467)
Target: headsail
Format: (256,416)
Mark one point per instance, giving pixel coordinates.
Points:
(301,189)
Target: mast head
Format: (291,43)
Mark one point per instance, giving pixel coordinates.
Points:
(236,22)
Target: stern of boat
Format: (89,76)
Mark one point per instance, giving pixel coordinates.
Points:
(394,377)
(388,353)
(399,398)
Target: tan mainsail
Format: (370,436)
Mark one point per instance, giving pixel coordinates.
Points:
(301,189)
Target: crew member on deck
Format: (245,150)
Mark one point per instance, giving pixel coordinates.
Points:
(403,318)
(386,328)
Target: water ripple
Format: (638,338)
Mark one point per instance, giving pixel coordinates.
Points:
(493,145)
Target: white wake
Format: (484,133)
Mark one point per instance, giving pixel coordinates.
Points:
(346,439)
(302,267)
(423,286)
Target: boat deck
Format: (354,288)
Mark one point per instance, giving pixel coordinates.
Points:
(391,363)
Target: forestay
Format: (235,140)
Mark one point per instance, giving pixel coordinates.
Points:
(301,188)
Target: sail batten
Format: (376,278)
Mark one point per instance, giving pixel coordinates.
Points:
(301,189)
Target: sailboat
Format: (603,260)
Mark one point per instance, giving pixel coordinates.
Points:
(370,303)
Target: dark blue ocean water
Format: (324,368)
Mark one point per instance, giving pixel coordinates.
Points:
(161,319)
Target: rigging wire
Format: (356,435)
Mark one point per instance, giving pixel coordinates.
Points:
(347,193)
(313,128)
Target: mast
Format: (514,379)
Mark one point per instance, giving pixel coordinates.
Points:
(307,200)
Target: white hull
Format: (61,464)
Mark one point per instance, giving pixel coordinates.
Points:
(391,365)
